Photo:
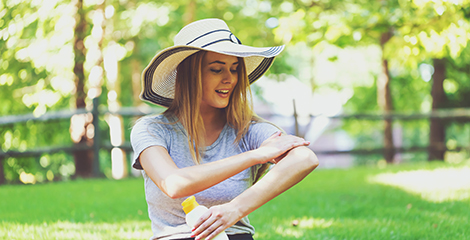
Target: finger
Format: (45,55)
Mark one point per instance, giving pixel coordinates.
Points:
(291,137)
(298,140)
(301,143)
(295,142)
(216,232)
(201,221)
(212,230)
(199,231)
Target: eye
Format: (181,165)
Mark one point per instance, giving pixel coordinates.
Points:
(216,70)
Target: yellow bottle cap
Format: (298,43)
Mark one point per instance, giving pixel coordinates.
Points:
(189,204)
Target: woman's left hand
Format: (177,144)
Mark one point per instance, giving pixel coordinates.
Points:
(216,220)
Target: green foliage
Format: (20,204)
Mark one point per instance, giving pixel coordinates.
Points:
(27,60)
(457,84)
(48,167)
(37,61)
(421,30)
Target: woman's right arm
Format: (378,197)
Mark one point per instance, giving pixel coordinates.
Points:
(182,182)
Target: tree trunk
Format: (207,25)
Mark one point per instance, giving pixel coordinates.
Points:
(80,124)
(384,99)
(437,135)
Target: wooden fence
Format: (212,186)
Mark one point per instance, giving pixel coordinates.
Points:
(449,114)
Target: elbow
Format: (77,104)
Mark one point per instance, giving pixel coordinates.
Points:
(170,192)
(306,158)
(173,193)
(312,160)
(169,187)
(172,189)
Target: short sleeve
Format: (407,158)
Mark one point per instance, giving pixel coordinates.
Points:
(147,132)
(259,132)
(256,135)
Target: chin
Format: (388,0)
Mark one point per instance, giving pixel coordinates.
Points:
(218,104)
(223,106)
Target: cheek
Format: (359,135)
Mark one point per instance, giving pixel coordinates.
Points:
(205,91)
(235,80)
(208,89)
(237,83)
(206,83)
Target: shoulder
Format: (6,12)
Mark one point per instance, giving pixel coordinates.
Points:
(153,123)
(158,120)
(257,133)
(151,119)
(262,126)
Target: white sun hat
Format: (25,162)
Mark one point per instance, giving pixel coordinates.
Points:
(158,78)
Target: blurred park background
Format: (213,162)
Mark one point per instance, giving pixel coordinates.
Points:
(381,88)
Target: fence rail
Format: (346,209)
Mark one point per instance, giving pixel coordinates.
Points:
(460,114)
(454,114)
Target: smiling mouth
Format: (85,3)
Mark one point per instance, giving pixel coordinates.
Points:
(222,91)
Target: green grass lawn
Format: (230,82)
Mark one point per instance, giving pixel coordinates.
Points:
(328,204)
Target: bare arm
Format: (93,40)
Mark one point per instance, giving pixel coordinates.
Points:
(180,182)
(297,164)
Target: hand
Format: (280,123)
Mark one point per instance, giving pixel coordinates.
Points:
(276,147)
(216,220)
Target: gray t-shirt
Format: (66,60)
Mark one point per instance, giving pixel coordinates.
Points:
(166,214)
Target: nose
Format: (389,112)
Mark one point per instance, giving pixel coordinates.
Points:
(229,77)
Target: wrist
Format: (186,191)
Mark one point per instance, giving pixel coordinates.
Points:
(256,157)
(238,208)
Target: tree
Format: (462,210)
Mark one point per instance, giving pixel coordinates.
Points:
(442,37)
(408,32)
(53,59)
(351,23)
(81,124)
(384,97)
(437,134)
(35,76)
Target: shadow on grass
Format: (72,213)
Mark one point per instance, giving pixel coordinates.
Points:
(342,204)
(328,204)
(82,209)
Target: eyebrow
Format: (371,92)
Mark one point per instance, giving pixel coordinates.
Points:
(220,62)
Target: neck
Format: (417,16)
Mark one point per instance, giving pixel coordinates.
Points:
(214,119)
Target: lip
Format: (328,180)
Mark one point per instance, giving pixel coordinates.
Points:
(223,95)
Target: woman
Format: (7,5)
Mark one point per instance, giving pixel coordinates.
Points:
(204,82)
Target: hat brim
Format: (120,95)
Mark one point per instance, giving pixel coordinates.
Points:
(158,78)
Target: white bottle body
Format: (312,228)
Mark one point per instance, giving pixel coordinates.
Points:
(195,214)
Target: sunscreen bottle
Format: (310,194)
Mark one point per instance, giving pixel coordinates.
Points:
(194,211)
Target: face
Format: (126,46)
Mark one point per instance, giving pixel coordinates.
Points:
(219,78)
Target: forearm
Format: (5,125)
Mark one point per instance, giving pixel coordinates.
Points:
(296,165)
(182,182)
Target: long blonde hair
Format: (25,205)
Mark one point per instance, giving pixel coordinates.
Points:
(188,95)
